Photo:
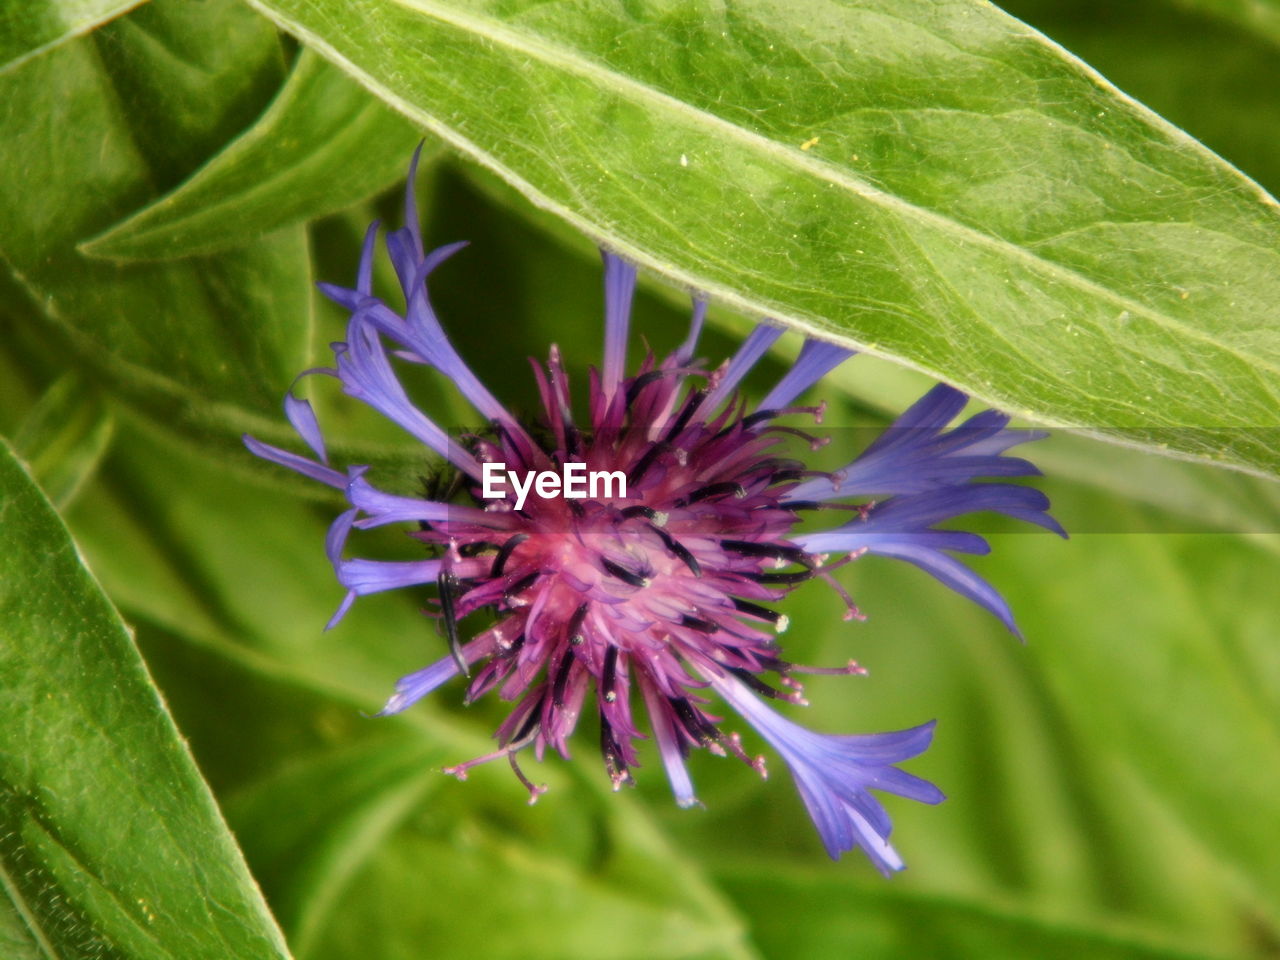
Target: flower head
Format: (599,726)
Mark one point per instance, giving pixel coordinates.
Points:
(658,586)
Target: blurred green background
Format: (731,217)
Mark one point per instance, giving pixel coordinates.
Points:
(1114,784)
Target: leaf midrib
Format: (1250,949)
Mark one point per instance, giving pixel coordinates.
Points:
(630,88)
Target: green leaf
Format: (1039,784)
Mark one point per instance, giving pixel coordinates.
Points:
(354,836)
(92,130)
(1182,688)
(323,145)
(306,853)
(795,913)
(30,27)
(934,182)
(110,843)
(64,438)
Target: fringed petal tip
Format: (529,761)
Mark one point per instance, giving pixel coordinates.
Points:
(834,773)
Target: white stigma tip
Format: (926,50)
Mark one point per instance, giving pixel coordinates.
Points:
(781,626)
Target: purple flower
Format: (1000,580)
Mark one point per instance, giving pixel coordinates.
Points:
(657,587)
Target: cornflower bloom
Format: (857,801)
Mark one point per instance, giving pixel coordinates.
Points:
(664,594)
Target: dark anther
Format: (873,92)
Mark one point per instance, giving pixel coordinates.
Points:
(780,579)
(642,381)
(623,574)
(774,551)
(781,667)
(760,416)
(530,725)
(679,551)
(784,476)
(646,461)
(612,753)
(572,440)
(609,674)
(639,510)
(476,548)
(698,726)
(574,628)
(524,583)
(717,490)
(803,505)
(447,583)
(504,553)
(825,505)
(755,610)
(576,508)
(686,414)
(756,684)
(697,623)
(562,679)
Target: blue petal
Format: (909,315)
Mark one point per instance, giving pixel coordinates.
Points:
(336,539)
(685,353)
(364,577)
(753,348)
(303,418)
(619,289)
(833,773)
(364,276)
(953,574)
(914,455)
(299,464)
(365,372)
(817,359)
(382,508)
(412,688)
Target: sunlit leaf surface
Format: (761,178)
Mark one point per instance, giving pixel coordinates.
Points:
(933,181)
